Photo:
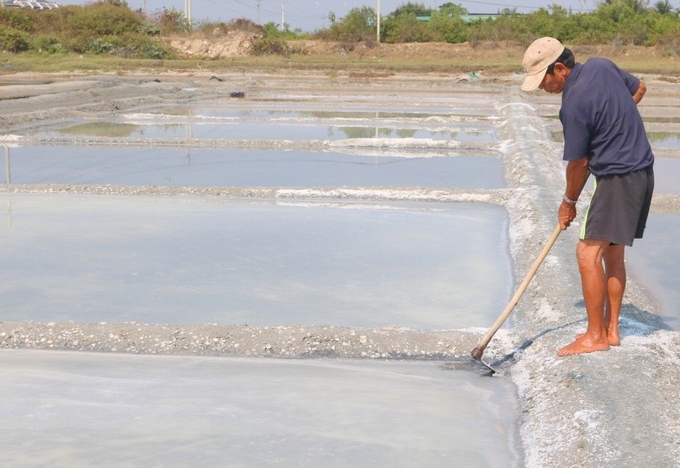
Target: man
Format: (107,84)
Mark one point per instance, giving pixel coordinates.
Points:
(604,136)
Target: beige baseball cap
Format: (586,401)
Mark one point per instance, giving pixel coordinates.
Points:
(537,58)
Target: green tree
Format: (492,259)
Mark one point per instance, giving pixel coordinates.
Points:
(558,10)
(414,8)
(407,28)
(446,28)
(638,6)
(358,25)
(452,9)
(663,7)
(505,28)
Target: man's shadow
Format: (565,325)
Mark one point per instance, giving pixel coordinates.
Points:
(632,322)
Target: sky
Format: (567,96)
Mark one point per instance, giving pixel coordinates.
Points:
(311,15)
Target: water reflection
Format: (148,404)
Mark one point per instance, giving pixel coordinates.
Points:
(248,130)
(103,129)
(206,111)
(664,139)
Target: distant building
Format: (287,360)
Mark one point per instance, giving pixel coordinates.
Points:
(28,5)
(472,17)
(469,18)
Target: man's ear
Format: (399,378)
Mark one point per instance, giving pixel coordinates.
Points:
(560,68)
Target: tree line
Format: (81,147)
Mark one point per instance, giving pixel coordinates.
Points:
(617,22)
(111,27)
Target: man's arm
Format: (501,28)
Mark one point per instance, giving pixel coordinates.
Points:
(642,89)
(577,175)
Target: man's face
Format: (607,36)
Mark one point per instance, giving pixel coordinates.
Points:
(554,82)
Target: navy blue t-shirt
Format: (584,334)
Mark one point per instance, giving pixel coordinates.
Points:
(601,121)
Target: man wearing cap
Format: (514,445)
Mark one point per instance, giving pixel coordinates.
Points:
(604,136)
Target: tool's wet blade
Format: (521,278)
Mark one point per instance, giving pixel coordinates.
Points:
(483,368)
(468,364)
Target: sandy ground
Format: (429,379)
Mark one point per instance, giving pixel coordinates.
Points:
(616,408)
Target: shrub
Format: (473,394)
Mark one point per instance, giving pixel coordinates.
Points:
(449,28)
(358,25)
(47,44)
(102,19)
(268,46)
(407,28)
(17,18)
(14,41)
(172,22)
(127,46)
(153,50)
(100,45)
(150,29)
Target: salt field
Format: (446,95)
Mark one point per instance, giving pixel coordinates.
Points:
(246,168)
(274,130)
(666,176)
(297,277)
(655,263)
(268,263)
(190,261)
(85,409)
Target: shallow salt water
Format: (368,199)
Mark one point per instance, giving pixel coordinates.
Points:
(82,409)
(168,260)
(244,168)
(368,106)
(664,139)
(666,174)
(191,260)
(267,130)
(654,259)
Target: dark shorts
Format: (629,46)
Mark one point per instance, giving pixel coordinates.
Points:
(619,208)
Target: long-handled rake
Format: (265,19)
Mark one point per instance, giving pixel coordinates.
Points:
(481,346)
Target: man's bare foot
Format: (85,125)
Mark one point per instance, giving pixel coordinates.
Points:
(584,344)
(612,336)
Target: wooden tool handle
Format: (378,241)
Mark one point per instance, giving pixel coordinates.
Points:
(479,349)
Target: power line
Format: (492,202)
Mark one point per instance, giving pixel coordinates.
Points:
(505,5)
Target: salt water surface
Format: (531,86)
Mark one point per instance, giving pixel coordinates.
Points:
(203,260)
(190,259)
(654,262)
(244,168)
(84,409)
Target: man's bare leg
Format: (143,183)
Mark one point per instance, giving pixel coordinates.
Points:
(615,269)
(589,253)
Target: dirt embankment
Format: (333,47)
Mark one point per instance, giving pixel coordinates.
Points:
(239,44)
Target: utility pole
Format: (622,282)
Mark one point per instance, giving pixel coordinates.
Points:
(258,11)
(283,15)
(378,23)
(187,10)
